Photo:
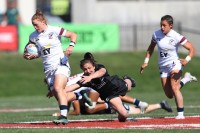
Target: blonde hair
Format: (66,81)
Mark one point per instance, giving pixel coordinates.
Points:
(39,15)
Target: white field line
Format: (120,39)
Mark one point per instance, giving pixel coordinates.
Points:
(152,126)
(189,107)
(54,109)
(95,120)
(169,126)
(28,109)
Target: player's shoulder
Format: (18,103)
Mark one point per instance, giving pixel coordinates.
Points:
(175,34)
(53,28)
(34,33)
(158,32)
(33,36)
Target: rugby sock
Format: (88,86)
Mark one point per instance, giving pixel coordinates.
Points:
(184,81)
(63,110)
(136,102)
(182,84)
(106,105)
(180,111)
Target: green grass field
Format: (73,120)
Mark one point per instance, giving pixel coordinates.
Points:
(22,87)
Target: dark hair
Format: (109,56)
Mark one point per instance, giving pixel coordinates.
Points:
(168,18)
(88,58)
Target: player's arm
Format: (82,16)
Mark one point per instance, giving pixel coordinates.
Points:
(99,73)
(72,36)
(73,87)
(149,53)
(26,55)
(191,52)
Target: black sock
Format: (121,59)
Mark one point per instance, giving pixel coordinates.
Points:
(136,102)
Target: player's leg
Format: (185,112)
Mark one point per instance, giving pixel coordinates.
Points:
(175,83)
(60,81)
(59,85)
(187,78)
(117,104)
(128,99)
(76,106)
(152,107)
(165,81)
(97,108)
(130,82)
(71,97)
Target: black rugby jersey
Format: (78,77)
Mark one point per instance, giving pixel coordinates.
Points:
(105,84)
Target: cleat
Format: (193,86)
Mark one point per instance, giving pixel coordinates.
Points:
(164,105)
(126,106)
(61,120)
(86,98)
(143,106)
(131,79)
(178,117)
(91,107)
(190,77)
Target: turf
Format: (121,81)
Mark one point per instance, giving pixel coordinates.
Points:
(22,87)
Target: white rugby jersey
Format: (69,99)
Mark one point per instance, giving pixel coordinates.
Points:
(50,47)
(168,46)
(75,78)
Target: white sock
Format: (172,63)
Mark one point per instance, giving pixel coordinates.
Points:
(134,100)
(106,105)
(180,113)
(185,80)
(63,112)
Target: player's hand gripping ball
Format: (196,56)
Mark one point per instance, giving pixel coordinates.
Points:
(32,49)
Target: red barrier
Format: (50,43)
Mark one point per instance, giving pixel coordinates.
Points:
(8,38)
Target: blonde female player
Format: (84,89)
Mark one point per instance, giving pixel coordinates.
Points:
(55,62)
(168,41)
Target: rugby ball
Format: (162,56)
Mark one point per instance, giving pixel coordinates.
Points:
(32,49)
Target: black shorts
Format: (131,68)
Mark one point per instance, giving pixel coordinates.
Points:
(116,87)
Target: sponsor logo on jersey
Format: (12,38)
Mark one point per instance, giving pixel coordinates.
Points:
(50,35)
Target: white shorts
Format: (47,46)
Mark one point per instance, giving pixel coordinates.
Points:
(166,70)
(61,69)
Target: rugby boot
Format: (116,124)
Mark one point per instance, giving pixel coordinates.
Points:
(61,120)
(164,105)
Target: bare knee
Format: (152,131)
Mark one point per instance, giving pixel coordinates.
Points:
(170,96)
(122,117)
(57,89)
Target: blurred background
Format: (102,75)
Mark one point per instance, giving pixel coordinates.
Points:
(101,25)
(117,32)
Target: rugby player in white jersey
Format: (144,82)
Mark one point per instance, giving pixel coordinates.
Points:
(170,65)
(55,62)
